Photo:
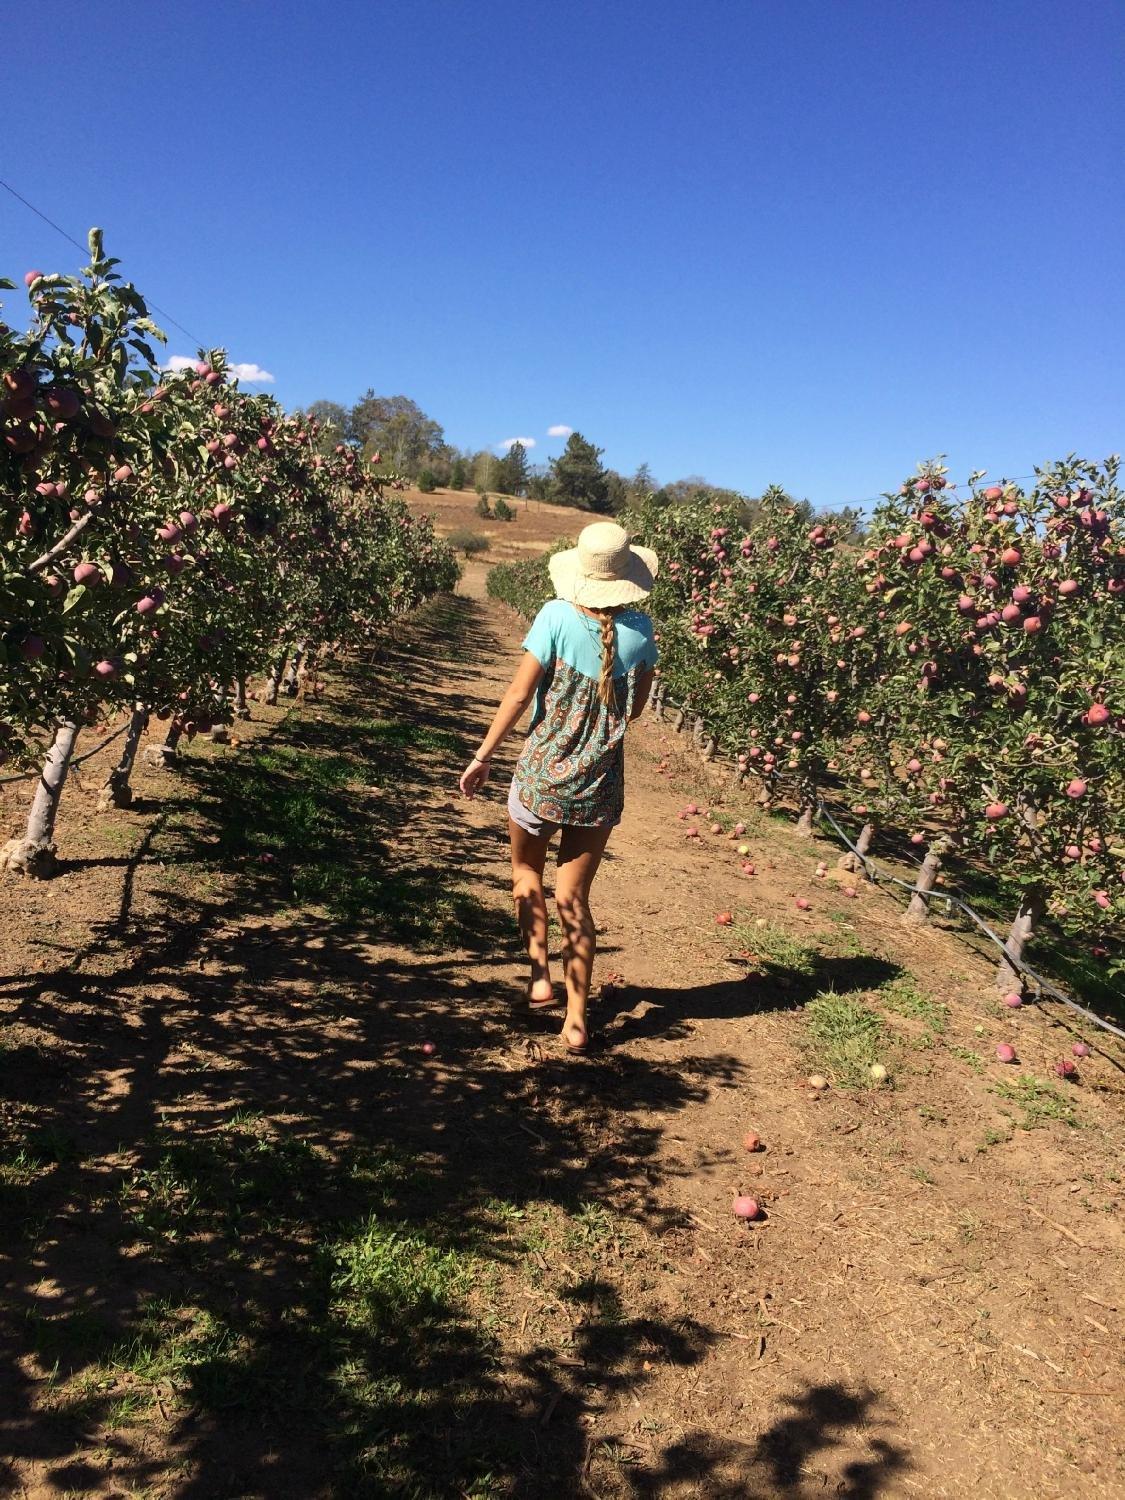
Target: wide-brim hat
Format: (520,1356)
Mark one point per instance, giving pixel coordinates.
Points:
(603,570)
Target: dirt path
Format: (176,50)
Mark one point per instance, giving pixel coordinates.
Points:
(298,1203)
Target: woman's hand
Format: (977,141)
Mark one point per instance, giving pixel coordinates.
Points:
(475,777)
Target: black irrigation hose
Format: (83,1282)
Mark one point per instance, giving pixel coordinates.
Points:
(1045,986)
(884,876)
(77,761)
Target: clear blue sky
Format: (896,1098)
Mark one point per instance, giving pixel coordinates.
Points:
(800,242)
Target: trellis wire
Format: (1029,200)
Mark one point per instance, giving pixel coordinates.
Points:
(885,877)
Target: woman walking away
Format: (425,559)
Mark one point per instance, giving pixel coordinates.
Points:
(588,663)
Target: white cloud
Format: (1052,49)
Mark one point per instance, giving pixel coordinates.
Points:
(560,429)
(511,442)
(253,373)
(249,372)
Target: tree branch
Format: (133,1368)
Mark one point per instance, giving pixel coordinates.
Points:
(49,556)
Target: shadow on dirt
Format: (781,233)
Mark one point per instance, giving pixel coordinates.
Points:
(267,1143)
(807,1452)
(632,1012)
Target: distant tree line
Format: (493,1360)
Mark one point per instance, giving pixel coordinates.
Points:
(412,443)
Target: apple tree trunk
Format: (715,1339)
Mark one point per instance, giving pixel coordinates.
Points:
(293,675)
(241,707)
(277,671)
(116,790)
(34,854)
(806,819)
(165,753)
(852,861)
(919,909)
(1031,909)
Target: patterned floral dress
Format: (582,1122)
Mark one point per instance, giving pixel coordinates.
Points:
(572,767)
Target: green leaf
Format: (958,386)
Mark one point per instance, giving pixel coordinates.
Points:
(94,240)
(74,598)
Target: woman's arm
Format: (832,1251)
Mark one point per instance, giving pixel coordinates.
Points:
(528,676)
(640,696)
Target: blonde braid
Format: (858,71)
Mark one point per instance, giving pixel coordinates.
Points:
(605,681)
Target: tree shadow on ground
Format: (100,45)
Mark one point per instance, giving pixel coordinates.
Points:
(633,1011)
(825,1442)
(264,1137)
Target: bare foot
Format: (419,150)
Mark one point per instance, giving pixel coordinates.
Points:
(574,1034)
(540,993)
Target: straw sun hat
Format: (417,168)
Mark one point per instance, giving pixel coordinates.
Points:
(603,570)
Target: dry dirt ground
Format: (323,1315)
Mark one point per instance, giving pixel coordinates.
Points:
(533,528)
(298,1201)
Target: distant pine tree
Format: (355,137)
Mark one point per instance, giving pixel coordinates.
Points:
(578,476)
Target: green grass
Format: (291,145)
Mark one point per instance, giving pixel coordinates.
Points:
(994,1136)
(776,948)
(217,1182)
(595,1229)
(844,1037)
(903,997)
(300,822)
(972,1059)
(309,1296)
(1038,1102)
(379,1275)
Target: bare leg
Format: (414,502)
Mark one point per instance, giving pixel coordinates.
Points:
(580,854)
(529,854)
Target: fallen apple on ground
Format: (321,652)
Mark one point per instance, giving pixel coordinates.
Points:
(745,1208)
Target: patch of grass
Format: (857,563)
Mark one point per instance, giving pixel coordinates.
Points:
(993,1136)
(379,1275)
(847,942)
(967,1055)
(381,735)
(903,996)
(172,1346)
(317,770)
(595,1229)
(776,948)
(215,1182)
(300,824)
(1039,1102)
(20,1168)
(845,1037)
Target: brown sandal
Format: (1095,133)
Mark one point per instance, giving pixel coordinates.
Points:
(548,1004)
(582,1046)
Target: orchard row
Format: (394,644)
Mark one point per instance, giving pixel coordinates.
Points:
(163,537)
(956,677)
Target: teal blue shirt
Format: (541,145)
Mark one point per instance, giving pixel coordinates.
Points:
(572,767)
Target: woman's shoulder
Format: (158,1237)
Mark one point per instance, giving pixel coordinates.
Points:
(636,619)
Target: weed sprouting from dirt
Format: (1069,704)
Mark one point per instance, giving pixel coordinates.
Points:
(905,998)
(994,1136)
(775,947)
(845,1037)
(1039,1102)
